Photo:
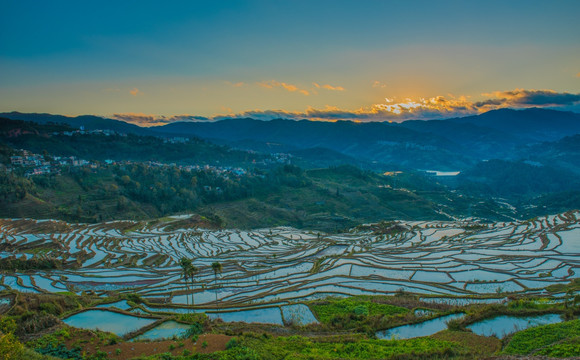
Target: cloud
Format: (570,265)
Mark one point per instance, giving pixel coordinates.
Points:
(527,98)
(236,84)
(424,108)
(392,109)
(147,120)
(135,92)
(328,87)
(275,84)
(378,84)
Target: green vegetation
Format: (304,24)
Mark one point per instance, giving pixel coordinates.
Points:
(39,138)
(36,263)
(511,179)
(267,194)
(217,269)
(188,270)
(331,311)
(29,325)
(566,348)
(298,347)
(527,341)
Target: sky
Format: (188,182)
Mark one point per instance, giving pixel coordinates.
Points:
(151,62)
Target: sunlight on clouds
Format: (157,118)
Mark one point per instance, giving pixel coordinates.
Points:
(328,87)
(135,92)
(147,120)
(275,84)
(236,84)
(391,109)
(423,108)
(378,84)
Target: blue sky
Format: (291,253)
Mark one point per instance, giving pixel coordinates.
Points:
(147,61)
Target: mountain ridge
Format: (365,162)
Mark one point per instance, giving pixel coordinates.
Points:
(445,144)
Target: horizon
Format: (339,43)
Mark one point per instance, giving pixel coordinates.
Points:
(214,120)
(324,61)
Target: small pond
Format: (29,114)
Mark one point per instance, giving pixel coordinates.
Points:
(166,330)
(504,325)
(424,328)
(119,324)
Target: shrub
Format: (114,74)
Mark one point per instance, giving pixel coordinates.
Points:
(455,325)
(10,347)
(361,310)
(195,329)
(134,298)
(232,343)
(204,344)
(60,351)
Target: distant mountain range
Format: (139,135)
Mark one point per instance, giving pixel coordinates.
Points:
(449,144)
(88,122)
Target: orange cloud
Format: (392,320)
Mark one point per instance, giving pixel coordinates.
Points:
(274,84)
(391,109)
(135,92)
(423,108)
(328,87)
(237,84)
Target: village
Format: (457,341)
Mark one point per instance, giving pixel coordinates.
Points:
(45,164)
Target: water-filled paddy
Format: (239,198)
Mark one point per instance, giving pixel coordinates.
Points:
(270,315)
(435,257)
(166,330)
(119,324)
(425,328)
(122,305)
(501,326)
(299,314)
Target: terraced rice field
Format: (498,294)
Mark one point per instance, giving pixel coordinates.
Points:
(282,264)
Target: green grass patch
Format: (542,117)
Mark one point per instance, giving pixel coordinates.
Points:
(533,304)
(566,348)
(298,347)
(331,308)
(527,341)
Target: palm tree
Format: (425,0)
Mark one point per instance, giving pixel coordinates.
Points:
(192,271)
(217,268)
(186,271)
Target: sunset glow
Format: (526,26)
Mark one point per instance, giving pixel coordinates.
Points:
(331,61)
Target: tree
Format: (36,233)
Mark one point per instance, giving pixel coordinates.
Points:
(192,271)
(186,271)
(217,268)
